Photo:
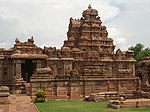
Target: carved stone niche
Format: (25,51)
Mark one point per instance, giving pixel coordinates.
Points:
(74,73)
(119,54)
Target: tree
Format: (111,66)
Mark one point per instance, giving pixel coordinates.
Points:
(140,52)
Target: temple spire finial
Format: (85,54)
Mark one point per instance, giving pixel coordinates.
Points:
(17,40)
(89,7)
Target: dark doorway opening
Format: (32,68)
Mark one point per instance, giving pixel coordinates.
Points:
(27,69)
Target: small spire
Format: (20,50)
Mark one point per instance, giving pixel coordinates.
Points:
(89,7)
(31,37)
(17,40)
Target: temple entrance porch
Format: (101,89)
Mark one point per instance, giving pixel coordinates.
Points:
(27,69)
(23,69)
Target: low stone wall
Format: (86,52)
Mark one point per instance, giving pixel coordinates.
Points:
(4,95)
(141,94)
(104,96)
(129,103)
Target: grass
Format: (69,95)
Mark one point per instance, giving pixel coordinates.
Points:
(81,106)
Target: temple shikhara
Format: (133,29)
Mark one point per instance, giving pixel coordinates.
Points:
(85,64)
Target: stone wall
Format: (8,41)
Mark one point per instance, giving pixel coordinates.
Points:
(76,89)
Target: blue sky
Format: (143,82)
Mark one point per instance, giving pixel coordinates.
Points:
(127,21)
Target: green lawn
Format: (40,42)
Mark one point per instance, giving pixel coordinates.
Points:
(81,106)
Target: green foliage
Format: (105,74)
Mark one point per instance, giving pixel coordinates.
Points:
(140,52)
(40,96)
(82,106)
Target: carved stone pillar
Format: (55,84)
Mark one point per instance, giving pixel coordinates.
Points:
(145,77)
(1,71)
(13,69)
(133,73)
(18,69)
(138,83)
(38,63)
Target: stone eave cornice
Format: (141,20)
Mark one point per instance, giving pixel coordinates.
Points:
(28,56)
(62,59)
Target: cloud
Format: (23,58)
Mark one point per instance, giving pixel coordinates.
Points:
(118,38)
(4,44)
(133,22)
(48,20)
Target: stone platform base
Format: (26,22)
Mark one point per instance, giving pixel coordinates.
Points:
(129,103)
(4,100)
(4,95)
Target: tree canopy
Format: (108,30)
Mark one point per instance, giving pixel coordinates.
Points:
(140,51)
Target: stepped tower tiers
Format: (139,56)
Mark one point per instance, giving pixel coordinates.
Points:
(88,33)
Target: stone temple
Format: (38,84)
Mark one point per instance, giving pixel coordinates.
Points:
(85,64)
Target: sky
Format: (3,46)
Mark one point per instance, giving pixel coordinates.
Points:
(127,21)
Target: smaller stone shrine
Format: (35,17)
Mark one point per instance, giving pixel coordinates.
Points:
(4,95)
(142,95)
(144,74)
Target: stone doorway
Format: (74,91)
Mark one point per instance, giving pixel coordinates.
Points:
(27,69)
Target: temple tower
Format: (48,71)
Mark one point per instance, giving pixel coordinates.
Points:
(88,33)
